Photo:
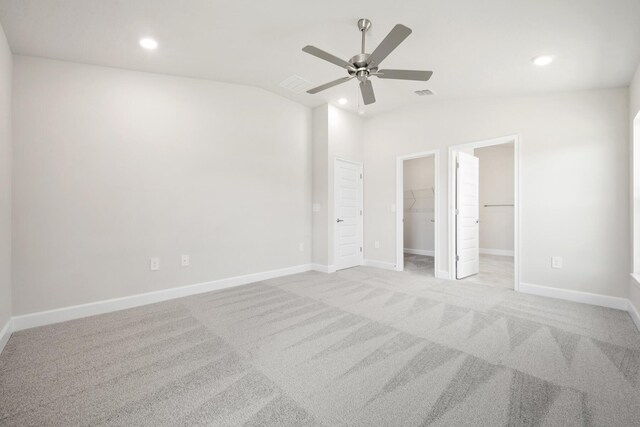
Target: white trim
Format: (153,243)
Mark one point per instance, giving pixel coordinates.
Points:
(323,268)
(106,306)
(517,243)
(635,314)
(442,274)
(335,215)
(576,296)
(425,252)
(5,334)
(501,252)
(379,264)
(400,204)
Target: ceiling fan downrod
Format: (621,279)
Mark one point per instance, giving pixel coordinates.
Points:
(363,25)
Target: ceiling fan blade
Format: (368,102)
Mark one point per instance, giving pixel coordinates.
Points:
(422,76)
(367,92)
(312,50)
(328,85)
(393,39)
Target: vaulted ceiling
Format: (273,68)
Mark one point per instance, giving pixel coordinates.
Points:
(475,47)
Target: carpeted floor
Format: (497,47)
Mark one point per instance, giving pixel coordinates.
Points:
(495,270)
(360,347)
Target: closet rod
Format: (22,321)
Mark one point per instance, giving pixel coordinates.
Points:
(493,206)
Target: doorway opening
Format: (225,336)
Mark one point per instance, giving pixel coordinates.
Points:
(417,212)
(484,219)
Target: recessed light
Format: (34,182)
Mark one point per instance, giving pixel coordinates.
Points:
(542,60)
(148,43)
(342,101)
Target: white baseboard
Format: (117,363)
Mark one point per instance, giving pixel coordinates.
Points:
(442,274)
(379,264)
(576,296)
(501,252)
(419,252)
(635,314)
(106,306)
(5,334)
(323,268)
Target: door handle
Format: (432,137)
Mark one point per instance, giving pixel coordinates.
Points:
(339,220)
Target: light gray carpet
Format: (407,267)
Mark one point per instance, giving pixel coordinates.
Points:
(495,270)
(419,264)
(360,347)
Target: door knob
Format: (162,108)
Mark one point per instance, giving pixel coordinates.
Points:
(339,220)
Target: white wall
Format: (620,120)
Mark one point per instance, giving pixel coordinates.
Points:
(418,182)
(634,120)
(6,65)
(320,251)
(634,94)
(574,170)
(112,167)
(496,188)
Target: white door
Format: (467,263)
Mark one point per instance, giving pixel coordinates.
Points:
(467,216)
(348,214)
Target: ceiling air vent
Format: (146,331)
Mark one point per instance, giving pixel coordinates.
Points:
(295,84)
(424,92)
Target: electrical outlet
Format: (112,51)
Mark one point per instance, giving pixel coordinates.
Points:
(154,264)
(301,247)
(556,262)
(377,244)
(184,261)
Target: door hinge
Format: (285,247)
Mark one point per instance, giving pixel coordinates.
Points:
(457,165)
(360,176)
(457,212)
(457,258)
(360,248)
(360,212)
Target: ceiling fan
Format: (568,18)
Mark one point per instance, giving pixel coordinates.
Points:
(364,65)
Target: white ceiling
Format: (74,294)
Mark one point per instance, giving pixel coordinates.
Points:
(475,47)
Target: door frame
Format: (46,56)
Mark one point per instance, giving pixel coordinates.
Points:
(335,210)
(400,207)
(515,139)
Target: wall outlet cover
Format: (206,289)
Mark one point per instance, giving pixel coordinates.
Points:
(184,261)
(377,244)
(556,262)
(154,264)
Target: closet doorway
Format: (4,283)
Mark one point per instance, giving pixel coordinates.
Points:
(417,213)
(484,212)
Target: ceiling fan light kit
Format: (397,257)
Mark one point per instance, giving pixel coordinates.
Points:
(365,65)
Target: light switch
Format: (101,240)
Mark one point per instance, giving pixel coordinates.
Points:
(393,207)
(556,262)
(316,207)
(184,261)
(377,244)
